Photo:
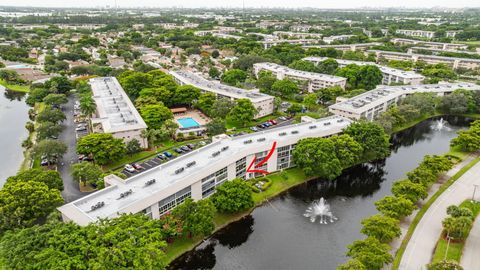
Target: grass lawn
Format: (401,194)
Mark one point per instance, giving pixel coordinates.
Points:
(27,160)
(238,127)
(423,210)
(15,87)
(455,249)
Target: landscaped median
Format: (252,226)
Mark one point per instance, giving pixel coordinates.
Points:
(280,182)
(424,209)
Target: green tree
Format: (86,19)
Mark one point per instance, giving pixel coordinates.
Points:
(409,190)
(310,100)
(445,265)
(216,126)
(316,156)
(22,204)
(86,172)
(30,126)
(55,99)
(234,76)
(347,150)
(197,217)
(422,175)
(328,66)
(102,146)
(381,227)
(243,112)
(395,207)
(468,140)
(303,65)
(49,177)
(214,73)
(87,105)
(222,107)
(49,149)
(329,94)
(133,146)
(455,103)
(50,115)
(155,115)
(371,137)
(370,252)
(352,264)
(233,196)
(133,82)
(265,80)
(186,95)
(48,130)
(205,102)
(285,88)
(59,85)
(159,94)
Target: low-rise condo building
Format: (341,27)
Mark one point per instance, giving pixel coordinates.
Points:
(454,62)
(370,104)
(346,47)
(416,33)
(197,174)
(331,39)
(300,35)
(268,43)
(314,81)
(263,102)
(115,113)
(390,75)
(430,44)
(421,50)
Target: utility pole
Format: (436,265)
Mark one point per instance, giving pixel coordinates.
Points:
(474,190)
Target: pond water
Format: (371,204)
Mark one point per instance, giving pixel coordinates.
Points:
(13,116)
(278,236)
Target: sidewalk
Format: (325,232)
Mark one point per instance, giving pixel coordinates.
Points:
(419,250)
(471,250)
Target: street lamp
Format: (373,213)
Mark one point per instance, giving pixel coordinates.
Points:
(474,189)
(448,245)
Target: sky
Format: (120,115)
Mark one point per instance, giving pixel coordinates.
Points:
(248,3)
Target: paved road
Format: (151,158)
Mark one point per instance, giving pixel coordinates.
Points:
(420,248)
(471,250)
(71,190)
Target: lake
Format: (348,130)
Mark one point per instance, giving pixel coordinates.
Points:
(278,236)
(13,116)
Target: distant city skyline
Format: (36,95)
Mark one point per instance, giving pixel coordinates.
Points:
(248,3)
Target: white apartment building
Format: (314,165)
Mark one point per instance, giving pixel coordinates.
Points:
(263,102)
(197,174)
(271,24)
(416,33)
(299,35)
(453,62)
(390,75)
(268,43)
(115,113)
(430,44)
(452,34)
(331,39)
(370,104)
(346,47)
(300,28)
(314,81)
(436,51)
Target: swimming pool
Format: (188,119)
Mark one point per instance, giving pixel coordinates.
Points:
(187,122)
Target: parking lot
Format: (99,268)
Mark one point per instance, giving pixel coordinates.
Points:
(156,161)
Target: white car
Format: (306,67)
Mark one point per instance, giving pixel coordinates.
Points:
(129,168)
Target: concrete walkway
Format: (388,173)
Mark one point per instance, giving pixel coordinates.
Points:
(471,251)
(421,246)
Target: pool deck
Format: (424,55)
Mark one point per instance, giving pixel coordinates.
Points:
(197,115)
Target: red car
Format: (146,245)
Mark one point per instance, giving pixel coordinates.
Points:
(137,166)
(272,121)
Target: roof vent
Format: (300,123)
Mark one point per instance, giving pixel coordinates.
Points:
(190,164)
(97,205)
(312,127)
(225,148)
(126,193)
(150,182)
(179,170)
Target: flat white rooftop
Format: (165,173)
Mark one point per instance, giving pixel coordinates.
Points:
(384,69)
(165,175)
(198,81)
(299,73)
(426,56)
(344,45)
(115,110)
(382,94)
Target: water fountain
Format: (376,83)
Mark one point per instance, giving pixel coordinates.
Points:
(320,209)
(440,125)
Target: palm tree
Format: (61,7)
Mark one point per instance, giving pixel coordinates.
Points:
(87,105)
(151,135)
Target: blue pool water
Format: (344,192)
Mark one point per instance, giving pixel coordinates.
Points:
(188,122)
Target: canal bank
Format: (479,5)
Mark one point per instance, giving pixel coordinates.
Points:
(278,231)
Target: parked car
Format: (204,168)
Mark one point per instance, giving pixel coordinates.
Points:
(129,168)
(44,162)
(137,166)
(273,122)
(162,156)
(178,150)
(81,157)
(283,118)
(168,154)
(80,128)
(185,148)
(202,143)
(267,124)
(191,146)
(254,129)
